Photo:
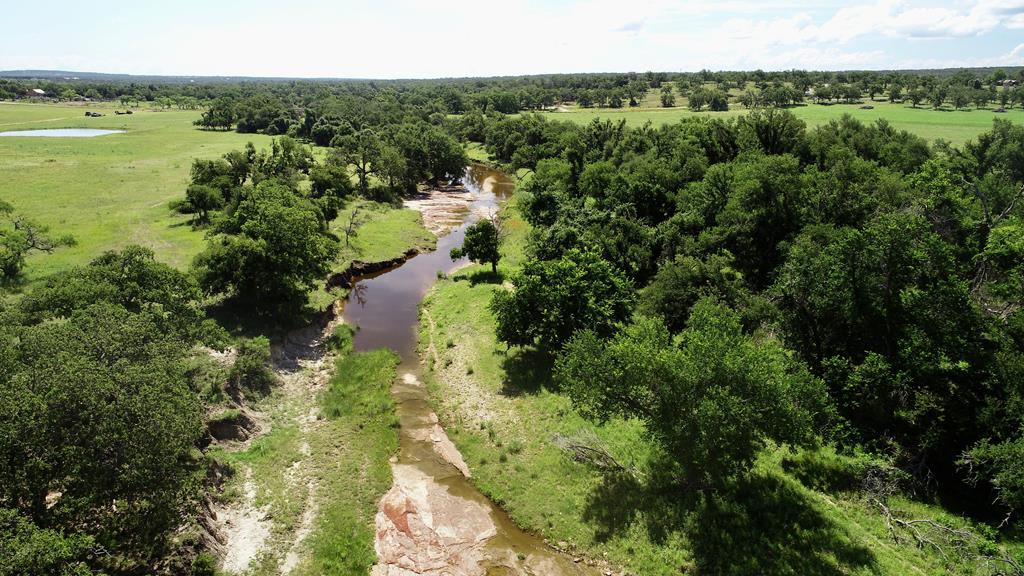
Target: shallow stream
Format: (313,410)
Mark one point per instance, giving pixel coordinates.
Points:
(434,521)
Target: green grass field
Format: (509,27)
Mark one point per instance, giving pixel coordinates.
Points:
(107,191)
(954,126)
(114,190)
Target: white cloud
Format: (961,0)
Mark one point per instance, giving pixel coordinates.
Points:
(411,38)
(897,18)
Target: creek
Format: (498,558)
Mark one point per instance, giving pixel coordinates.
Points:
(434,520)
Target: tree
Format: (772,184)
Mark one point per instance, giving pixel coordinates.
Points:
(28,550)
(262,113)
(131,279)
(355,220)
(551,300)
(392,167)
(750,99)
(895,92)
(481,244)
(882,314)
(362,150)
(668,98)
(916,96)
(202,199)
(98,426)
(718,101)
(981,98)
(331,177)
(697,98)
(220,115)
(269,252)
(19,236)
(680,284)
(219,174)
(446,158)
(712,398)
(960,97)
(772,130)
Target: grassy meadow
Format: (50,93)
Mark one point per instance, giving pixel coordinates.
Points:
(114,190)
(107,191)
(955,126)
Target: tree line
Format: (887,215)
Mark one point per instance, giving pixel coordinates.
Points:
(293,99)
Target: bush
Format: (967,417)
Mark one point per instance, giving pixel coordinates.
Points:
(27,550)
(251,369)
(340,341)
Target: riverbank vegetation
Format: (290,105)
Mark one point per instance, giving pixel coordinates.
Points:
(853,268)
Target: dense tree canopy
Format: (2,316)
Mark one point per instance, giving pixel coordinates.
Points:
(99,422)
(889,272)
(269,251)
(710,397)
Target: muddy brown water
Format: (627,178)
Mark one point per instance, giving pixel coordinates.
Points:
(468,534)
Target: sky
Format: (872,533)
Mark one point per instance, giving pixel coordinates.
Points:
(449,38)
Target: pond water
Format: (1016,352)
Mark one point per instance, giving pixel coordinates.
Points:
(468,532)
(62,133)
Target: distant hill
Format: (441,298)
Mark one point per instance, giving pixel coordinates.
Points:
(66,75)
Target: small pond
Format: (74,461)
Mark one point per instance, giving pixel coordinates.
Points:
(62,132)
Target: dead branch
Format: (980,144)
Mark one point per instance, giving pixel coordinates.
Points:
(585,447)
(954,545)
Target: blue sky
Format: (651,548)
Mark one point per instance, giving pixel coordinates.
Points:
(437,38)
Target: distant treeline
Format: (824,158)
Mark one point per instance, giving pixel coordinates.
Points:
(515,94)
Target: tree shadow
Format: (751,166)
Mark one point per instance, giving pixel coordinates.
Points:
(762,524)
(527,371)
(241,318)
(485,277)
(14,284)
(768,525)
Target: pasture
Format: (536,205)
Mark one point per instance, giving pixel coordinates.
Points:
(954,126)
(108,191)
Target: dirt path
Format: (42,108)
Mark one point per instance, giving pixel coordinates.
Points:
(246,529)
(303,369)
(37,121)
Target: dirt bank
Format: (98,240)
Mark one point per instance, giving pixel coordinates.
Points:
(359,268)
(247,533)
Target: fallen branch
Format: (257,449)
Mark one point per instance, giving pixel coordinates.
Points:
(585,447)
(954,545)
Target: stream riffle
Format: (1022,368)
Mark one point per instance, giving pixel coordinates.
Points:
(434,520)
